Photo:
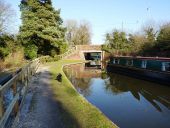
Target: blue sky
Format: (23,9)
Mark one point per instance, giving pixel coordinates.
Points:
(106,15)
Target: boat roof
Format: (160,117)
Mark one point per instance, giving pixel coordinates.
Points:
(144,58)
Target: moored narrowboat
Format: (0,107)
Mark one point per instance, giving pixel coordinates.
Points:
(156,69)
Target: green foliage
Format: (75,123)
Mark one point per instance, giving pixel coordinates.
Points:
(63,47)
(116,42)
(45,59)
(164,34)
(164,38)
(41,26)
(4,52)
(31,51)
(149,44)
(160,46)
(7,45)
(150,34)
(106,48)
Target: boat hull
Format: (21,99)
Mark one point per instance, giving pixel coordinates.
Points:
(145,74)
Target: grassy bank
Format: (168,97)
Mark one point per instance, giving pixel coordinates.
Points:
(76,112)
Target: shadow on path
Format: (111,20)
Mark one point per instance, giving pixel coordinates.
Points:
(43,110)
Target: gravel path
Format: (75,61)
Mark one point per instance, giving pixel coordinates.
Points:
(40,110)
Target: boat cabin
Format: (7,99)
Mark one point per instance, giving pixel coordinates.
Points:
(150,63)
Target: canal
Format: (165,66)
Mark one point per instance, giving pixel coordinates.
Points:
(128,102)
(4,77)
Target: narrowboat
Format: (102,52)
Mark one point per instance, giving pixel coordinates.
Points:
(155,69)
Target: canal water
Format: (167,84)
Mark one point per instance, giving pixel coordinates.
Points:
(128,102)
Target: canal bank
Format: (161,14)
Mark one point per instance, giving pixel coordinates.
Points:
(57,104)
(85,115)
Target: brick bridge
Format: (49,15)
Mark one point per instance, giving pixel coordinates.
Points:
(82,52)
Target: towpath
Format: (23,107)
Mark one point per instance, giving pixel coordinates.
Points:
(40,110)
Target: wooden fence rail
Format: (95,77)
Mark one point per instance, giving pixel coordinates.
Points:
(12,93)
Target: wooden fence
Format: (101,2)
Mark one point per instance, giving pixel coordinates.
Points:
(12,93)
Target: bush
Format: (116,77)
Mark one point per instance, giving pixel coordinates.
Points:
(63,48)
(45,59)
(6,44)
(30,51)
(4,52)
(53,53)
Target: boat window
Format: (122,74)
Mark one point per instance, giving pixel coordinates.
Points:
(116,61)
(129,62)
(165,66)
(144,63)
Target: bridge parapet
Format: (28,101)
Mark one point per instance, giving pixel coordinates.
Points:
(88,47)
(80,50)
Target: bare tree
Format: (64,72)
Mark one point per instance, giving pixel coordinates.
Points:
(78,34)
(72,27)
(150,29)
(6,14)
(84,34)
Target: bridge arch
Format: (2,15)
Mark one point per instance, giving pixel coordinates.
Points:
(82,52)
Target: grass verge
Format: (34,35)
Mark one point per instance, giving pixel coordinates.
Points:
(76,111)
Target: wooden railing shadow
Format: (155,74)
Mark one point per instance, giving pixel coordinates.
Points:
(12,93)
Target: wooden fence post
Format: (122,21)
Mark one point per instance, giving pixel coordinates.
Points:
(24,76)
(28,73)
(1,105)
(14,88)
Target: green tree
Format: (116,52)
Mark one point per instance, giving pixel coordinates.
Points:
(8,44)
(150,34)
(41,28)
(116,42)
(164,37)
(151,43)
(136,42)
(4,50)
(148,47)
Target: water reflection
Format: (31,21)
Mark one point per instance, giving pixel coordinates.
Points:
(81,74)
(150,91)
(126,101)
